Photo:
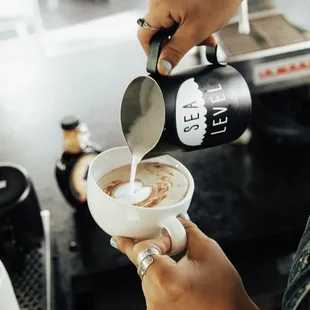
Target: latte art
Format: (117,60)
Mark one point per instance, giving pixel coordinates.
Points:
(155,185)
(120,190)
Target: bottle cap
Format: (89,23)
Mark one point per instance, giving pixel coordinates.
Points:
(69,122)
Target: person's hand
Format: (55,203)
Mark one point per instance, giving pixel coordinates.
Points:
(197,19)
(203,279)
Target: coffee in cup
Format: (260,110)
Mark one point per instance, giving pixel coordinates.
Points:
(155,185)
(120,218)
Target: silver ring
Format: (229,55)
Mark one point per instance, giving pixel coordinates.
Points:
(145,264)
(145,259)
(147,252)
(142,23)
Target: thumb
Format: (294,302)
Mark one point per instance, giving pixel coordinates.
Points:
(197,242)
(180,43)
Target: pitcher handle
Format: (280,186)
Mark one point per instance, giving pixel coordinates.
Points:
(157,42)
(160,38)
(215,55)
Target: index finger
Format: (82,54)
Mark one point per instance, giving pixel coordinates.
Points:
(155,21)
(132,249)
(163,266)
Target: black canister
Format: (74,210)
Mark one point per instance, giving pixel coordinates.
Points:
(20,221)
(202,107)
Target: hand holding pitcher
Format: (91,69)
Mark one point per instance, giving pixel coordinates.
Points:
(197,22)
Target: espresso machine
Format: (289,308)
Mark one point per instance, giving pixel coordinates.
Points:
(274,59)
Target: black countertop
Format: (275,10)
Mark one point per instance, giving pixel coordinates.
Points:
(242,194)
(254,200)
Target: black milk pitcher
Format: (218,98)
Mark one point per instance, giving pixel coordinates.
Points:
(202,107)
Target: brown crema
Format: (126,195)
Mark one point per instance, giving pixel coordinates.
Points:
(167,185)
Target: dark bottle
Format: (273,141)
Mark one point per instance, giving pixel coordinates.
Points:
(72,168)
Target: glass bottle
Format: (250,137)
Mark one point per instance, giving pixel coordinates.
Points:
(72,167)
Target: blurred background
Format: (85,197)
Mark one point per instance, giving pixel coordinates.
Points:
(74,57)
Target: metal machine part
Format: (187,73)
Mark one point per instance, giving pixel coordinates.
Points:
(274,55)
(33,286)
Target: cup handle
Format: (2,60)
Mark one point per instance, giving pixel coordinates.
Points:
(177,235)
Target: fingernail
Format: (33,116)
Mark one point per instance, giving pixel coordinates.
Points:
(184,216)
(114,243)
(166,65)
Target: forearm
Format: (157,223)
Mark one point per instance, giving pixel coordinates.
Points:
(299,279)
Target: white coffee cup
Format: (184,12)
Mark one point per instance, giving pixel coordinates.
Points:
(120,219)
(8,299)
